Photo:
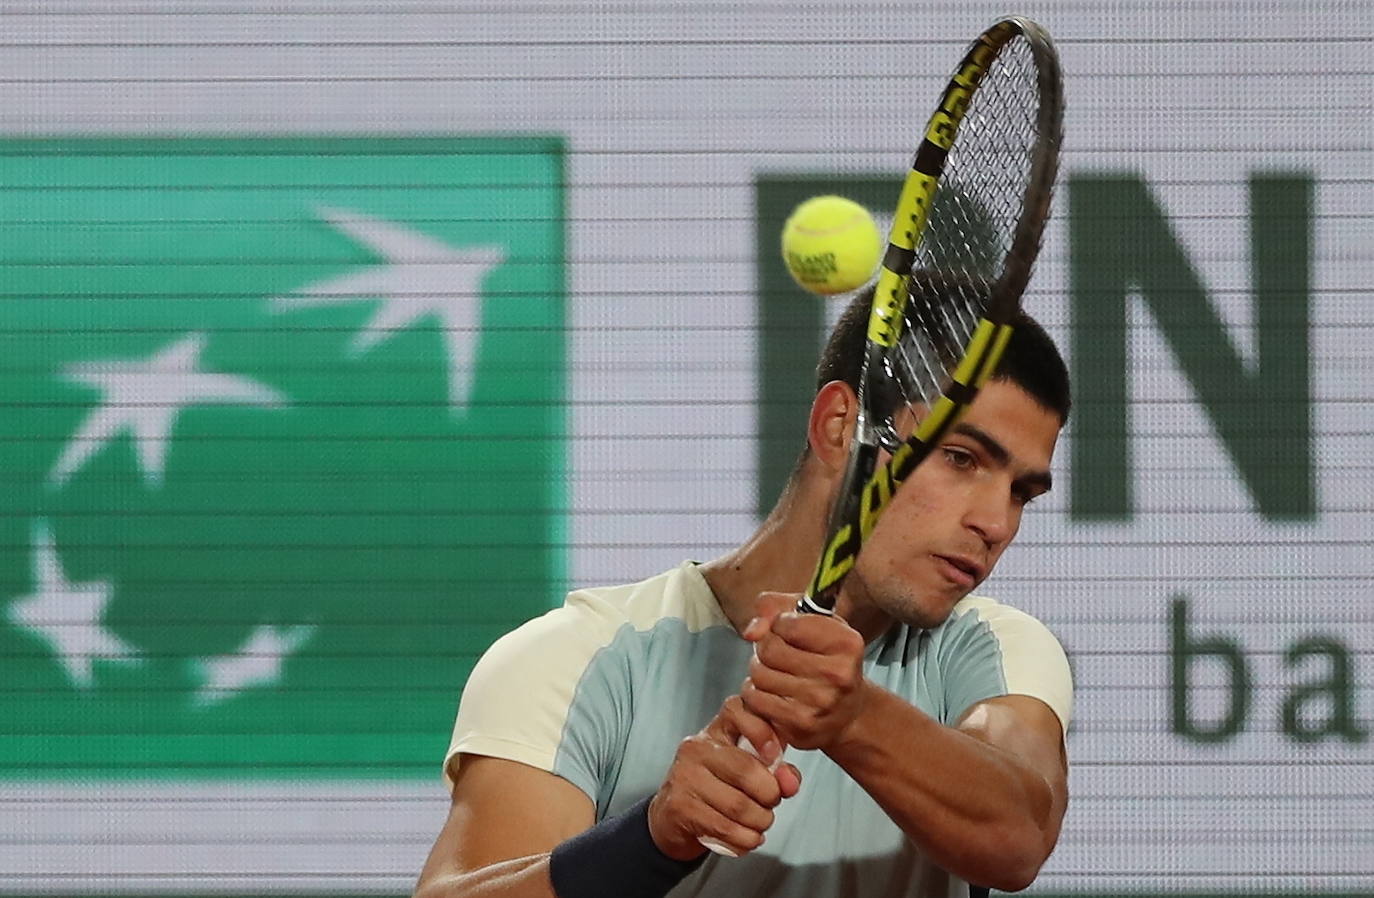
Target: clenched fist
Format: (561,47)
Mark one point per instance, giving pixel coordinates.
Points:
(720,791)
(806,679)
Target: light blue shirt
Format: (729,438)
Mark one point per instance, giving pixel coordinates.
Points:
(602,690)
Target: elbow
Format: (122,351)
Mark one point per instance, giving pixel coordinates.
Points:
(1013,880)
(451,885)
(1012,861)
(1009,879)
(435,890)
(1016,850)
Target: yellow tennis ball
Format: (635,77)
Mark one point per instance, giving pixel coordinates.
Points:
(831,245)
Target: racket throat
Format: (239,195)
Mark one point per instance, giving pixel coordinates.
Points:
(843,539)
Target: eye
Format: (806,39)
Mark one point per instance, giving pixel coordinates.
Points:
(958,458)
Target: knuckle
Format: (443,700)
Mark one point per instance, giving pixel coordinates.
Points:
(675,809)
(843,676)
(737,808)
(692,751)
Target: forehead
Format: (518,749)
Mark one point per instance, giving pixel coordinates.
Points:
(1016,420)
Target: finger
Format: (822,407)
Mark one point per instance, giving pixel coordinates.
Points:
(714,764)
(722,835)
(724,728)
(747,745)
(738,807)
(786,715)
(734,819)
(729,839)
(778,654)
(757,734)
(789,779)
(747,775)
(718,847)
(768,607)
(734,723)
(808,690)
(816,633)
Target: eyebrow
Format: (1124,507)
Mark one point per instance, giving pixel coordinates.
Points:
(1041,479)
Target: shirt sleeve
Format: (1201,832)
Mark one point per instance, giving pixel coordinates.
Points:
(997,650)
(539,696)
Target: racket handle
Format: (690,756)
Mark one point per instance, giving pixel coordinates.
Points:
(808,605)
(715,845)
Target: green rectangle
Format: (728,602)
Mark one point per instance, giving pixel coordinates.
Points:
(283,446)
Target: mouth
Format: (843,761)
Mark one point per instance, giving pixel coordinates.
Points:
(961,570)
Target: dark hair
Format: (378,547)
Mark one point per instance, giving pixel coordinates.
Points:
(1031,360)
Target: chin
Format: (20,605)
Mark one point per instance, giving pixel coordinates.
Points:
(928,621)
(898,599)
(915,613)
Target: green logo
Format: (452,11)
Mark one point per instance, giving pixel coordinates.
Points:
(282,447)
(1121,245)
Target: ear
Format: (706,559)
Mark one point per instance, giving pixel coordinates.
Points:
(831,427)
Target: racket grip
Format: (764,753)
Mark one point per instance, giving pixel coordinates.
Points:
(808,605)
(715,845)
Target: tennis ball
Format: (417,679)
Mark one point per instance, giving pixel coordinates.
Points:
(831,245)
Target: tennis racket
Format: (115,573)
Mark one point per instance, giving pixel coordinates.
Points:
(964,237)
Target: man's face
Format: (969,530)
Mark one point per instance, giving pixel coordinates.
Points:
(956,514)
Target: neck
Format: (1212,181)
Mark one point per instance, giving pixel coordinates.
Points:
(780,556)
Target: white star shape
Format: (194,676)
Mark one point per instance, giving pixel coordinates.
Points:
(144,397)
(68,615)
(422,276)
(258,662)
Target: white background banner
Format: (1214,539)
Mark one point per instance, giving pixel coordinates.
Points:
(671,112)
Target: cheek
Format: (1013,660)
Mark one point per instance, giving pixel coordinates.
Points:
(925,505)
(906,522)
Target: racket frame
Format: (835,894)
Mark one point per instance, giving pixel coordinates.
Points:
(867,487)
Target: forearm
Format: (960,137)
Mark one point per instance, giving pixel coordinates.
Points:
(972,808)
(618,856)
(522,877)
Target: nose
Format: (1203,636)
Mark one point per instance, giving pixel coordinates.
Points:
(990,513)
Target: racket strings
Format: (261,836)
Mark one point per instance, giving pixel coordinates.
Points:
(970,233)
(938,322)
(982,193)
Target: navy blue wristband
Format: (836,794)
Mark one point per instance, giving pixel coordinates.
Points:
(616,857)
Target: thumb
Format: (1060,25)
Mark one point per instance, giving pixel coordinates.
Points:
(766,610)
(789,779)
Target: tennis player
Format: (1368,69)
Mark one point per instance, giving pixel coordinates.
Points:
(910,746)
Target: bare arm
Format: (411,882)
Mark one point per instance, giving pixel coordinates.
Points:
(984,799)
(505,819)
